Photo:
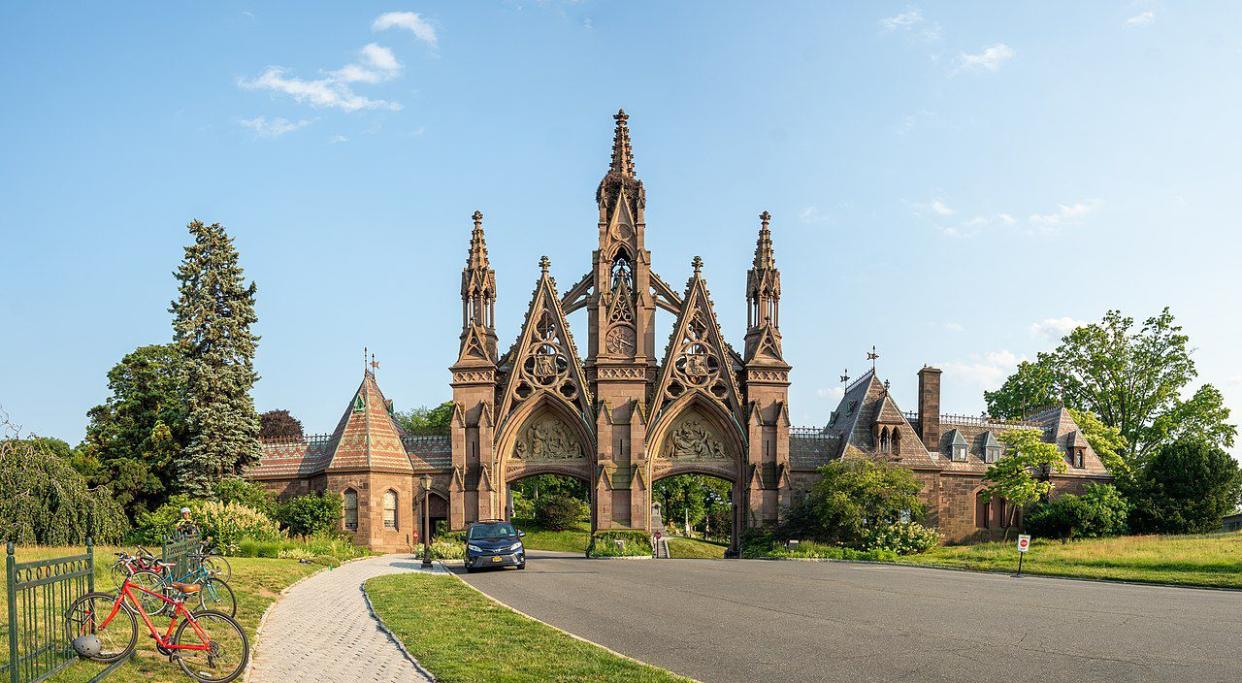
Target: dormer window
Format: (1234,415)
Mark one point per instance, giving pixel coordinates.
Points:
(959,449)
(1078,457)
(991,448)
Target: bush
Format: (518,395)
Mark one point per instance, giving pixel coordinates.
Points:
(619,544)
(227,523)
(852,502)
(251,494)
(310,514)
(1099,511)
(902,538)
(443,550)
(558,512)
(325,549)
(1186,487)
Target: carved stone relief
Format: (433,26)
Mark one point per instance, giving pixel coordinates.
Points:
(547,438)
(693,439)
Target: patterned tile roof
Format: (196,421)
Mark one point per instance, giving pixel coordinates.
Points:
(865,404)
(366,435)
(281,459)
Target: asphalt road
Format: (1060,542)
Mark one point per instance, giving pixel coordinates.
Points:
(755,620)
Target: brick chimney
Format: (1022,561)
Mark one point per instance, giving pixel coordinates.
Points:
(929,407)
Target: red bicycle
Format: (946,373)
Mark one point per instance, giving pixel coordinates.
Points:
(208,646)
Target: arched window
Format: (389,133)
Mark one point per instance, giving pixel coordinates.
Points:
(982,508)
(884,443)
(351,509)
(390,510)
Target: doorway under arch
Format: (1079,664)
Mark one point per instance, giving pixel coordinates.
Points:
(700,507)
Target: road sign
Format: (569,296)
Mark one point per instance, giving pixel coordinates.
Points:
(1024,543)
(658,535)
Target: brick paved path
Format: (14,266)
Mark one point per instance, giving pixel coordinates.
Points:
(321,630)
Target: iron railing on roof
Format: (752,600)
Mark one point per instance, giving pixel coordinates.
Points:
(427,443)
(975,420)
(308,439)
(808,432)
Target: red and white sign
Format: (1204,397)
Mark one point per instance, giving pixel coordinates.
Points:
(1024,543)
(658,535)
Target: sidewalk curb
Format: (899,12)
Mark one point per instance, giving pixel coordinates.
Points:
(392,636)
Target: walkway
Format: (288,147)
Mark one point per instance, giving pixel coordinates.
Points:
(321,630)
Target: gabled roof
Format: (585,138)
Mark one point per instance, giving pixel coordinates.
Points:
(990,440)
(956,438)
(865,404)
(1061,430)
(366,436)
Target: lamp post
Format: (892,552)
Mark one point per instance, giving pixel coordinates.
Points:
(426,483)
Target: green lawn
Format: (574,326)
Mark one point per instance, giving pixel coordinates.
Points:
(693,549)
(1202,560)
(256,583)
(462,636)
(570,541)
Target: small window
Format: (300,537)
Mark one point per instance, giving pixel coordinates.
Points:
(959,453)
(1080,458)
(351,510)
(991,454)
(390,510)
(982,509)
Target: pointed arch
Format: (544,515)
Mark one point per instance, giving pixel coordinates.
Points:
(565,413)
(723,423)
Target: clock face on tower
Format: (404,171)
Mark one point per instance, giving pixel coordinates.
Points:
(620,340)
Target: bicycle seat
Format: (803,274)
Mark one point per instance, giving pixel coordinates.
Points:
(187,588)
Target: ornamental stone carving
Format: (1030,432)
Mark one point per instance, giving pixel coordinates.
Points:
(548,438)
(694,439)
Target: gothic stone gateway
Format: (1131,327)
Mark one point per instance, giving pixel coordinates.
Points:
(629,414)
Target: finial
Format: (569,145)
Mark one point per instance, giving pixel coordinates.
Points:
(621,115)
(364,360)
(544,264)
(872,356)
(374,364)
(845,376)
(478,218)
(697,263)
(622,152)
(886,386)
(765,217)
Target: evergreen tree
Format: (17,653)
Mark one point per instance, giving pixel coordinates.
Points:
(211,326)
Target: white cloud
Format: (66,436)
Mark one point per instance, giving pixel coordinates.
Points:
(1055,328)
(941,209)
(409,21)
(1066,214)
(954,327)
(988,371)
(379,64)
(912,21)
(830,393)
(331,92)
(812,214)
(272,128)
(1142,19)
(989,60)
(337,139)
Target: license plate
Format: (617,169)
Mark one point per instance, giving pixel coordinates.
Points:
(497,559)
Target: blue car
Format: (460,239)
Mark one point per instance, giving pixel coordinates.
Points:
(494,543)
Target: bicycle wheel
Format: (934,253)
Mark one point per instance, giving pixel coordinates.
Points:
(117,573)
(216,596)
(228,652)
(85,616)
(153,582)
(218,567)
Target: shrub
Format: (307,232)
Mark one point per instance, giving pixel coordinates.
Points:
(227,523)
(619,544)
(251,494)
(310,514)
(558,513)
(851,501)
(1099,511)
(443,550)
(1186,487)
(902,538)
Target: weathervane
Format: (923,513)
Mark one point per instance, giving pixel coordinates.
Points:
(364,359)
(845,376)
(872,356)
(374,364)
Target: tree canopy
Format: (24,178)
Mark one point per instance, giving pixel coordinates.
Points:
(1132,379)
(211,326)
(852,501)
(1186,487)
(426,421)
(279,425)
(1021,477)
(136,435)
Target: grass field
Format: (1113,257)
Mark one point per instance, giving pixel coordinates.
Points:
(1202,560)
(570,541)
(256,583)
(460,636)
(693,549)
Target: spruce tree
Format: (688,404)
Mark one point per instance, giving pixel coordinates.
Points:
(211,326)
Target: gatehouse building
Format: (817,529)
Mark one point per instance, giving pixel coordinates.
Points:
(620,413)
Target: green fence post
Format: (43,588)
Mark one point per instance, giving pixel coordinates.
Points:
(90,562)
(11,571)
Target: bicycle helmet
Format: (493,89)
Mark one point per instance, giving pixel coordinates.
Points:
(87,645)
(184,510)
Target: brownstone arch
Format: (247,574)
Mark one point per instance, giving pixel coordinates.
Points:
(545,435)
(697,435)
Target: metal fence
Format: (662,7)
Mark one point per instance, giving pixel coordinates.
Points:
(38,594)
(177,550)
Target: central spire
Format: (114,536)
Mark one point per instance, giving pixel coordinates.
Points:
(622,152)
(476,258)
(764,257)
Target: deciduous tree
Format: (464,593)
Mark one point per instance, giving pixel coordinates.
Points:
(279,425)
(1021,475)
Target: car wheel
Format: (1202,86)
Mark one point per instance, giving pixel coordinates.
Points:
(469,569)
(522,566)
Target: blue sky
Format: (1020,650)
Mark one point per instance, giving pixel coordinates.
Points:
(954,183)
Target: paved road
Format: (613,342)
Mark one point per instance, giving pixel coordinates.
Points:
(754,620)
(322,630)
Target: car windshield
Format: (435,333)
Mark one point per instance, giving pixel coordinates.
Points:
(491,532)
